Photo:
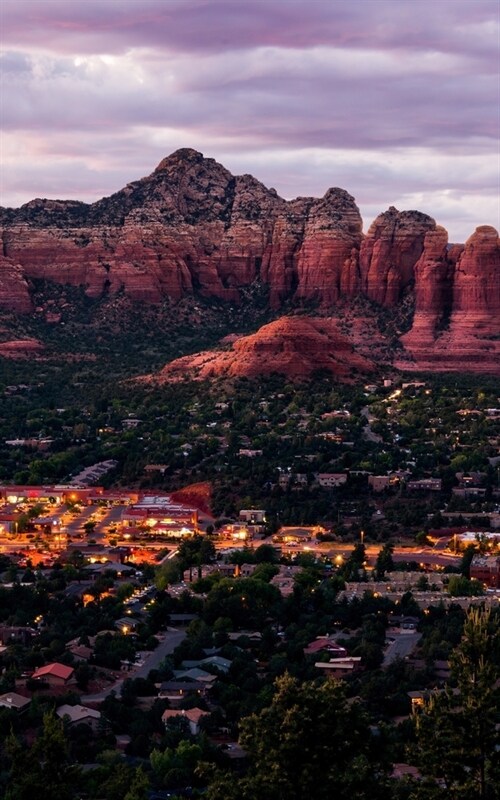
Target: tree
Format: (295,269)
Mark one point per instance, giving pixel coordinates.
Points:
(139,786)
(354,566)
(324,748)
(42,770)
(89,526)
(459,586)
(194,552)
(456,738)
(384,562)
(266,554)
(167,573)
(468,555)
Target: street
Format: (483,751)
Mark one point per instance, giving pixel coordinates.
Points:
(167,645)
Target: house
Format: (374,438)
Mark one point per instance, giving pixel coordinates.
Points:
(16,702)
(419,698)
(176,691)
(222,664)
(324,643)
(54,674)
(330,480)
(16,634)
(339,667)
(79,715)
(127,625)
(80,652)
(285,579)
(196,674)
(425,485)
(193,716)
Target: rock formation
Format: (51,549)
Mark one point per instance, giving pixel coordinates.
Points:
(456,323)
(21,348)
(293,346)
(192,228)
(389,253)
(14,292)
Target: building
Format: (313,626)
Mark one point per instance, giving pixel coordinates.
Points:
(162,515)
(193,716)
(331,480)
(325,644)
(487,570)
(339,667)
(54,674)
(425,485)
(176,691)
(15,702)
(16,634)
(254,516)
(80,715)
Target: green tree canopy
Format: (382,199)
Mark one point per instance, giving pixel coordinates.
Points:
(456,749)
(308,743)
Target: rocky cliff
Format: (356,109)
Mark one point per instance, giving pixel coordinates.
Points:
(192,228)
(189,227)
(456,325)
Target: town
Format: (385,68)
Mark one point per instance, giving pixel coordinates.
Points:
(150,628)
(181,564)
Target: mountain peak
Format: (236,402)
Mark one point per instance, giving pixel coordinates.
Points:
(185,155)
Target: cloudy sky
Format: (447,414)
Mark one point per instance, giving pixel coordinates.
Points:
(397,101)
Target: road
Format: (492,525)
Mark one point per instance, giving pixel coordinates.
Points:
(171,639)
(368,434)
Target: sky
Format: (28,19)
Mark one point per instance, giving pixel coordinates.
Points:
(396,101)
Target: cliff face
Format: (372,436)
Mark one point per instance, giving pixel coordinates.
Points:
(389,252)
(14,293)
(192,228)
(456,323)
(293,346)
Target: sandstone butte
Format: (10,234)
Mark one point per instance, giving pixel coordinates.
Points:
(193,228)
(294,346)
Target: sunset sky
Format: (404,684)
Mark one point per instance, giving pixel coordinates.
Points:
(397,101)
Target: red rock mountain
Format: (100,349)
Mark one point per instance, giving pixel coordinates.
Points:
(193,228)
(293,346)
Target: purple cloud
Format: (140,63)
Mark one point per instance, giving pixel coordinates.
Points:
(395,101)
(217,26)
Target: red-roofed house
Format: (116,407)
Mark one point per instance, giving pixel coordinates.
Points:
(54,674)
(326,644)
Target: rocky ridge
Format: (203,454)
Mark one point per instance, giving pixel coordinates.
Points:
(191,228)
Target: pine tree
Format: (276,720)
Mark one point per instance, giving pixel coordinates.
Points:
(457,742)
